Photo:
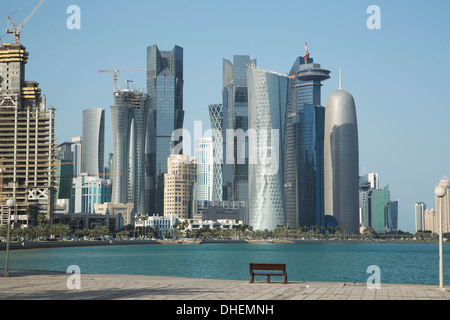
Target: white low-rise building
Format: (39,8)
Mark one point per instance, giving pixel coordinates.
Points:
(163,226)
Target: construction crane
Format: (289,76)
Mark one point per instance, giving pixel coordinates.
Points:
(16,30)
(115,71)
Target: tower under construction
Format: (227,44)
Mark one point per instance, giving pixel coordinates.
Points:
(27,155)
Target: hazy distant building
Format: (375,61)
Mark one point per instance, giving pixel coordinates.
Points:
(375,209)
(304,145)
(367,182)
(77,155)
(391,212)
(341,160)
(445,183)
(431,221)
(381,213)
(267,92)
(93,147)
(419,211)
(179,185)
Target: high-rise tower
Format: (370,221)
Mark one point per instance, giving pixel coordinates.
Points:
(304,144)
(27,129)
(93,146)
(165,89)
(266,122)
(216,121)
(341,160)
(235,126)
(204,156)
(129,123)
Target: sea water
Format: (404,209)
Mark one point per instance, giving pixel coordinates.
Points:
(335,262)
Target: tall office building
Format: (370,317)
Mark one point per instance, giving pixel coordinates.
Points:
(129,123)
(64,170)
(165,88)
(93,147)
(431,221)
(381,213)
(216,122)
(179,185)
(235,126)
(77,154)
(27,150)
(419,212)
(367,182)
(205,169)
(341,160)
(375,209)
(391,213)
(304,144)
(87,191)
(267,92)
(444,183)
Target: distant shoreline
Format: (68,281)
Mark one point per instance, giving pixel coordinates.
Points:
(97,243)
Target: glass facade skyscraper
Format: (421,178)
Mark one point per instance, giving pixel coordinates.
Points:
(93,147)
(267,92)
(205,169)
(304,144)
(235,126)
(216,122)
(165,89)
(129,123)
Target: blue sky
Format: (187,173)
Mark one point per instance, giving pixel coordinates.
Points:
(399,75)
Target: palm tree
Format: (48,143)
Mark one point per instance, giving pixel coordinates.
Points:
(41,217)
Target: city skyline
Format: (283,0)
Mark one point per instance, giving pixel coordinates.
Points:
(387,146)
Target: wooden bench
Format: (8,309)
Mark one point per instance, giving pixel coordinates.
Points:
(267,267)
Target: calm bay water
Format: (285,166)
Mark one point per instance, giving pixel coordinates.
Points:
(336,262)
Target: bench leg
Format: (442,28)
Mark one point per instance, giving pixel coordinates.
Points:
(285,278)
(252,278)
(268,279)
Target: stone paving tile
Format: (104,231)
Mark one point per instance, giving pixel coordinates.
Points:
(48,285)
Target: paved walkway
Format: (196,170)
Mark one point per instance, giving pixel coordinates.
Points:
(43,285)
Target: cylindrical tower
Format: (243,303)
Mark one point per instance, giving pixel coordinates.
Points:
(341,161)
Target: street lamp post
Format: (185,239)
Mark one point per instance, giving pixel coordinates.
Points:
(10,203)
(440,192)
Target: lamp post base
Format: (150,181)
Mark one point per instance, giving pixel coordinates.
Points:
(441,289)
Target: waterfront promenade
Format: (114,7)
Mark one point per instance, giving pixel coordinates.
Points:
(46,285)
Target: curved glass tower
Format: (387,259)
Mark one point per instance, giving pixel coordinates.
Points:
(129,124)
(266,121)
(341,161)
(93,147)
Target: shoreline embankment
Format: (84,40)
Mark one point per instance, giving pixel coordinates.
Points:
(96,243)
